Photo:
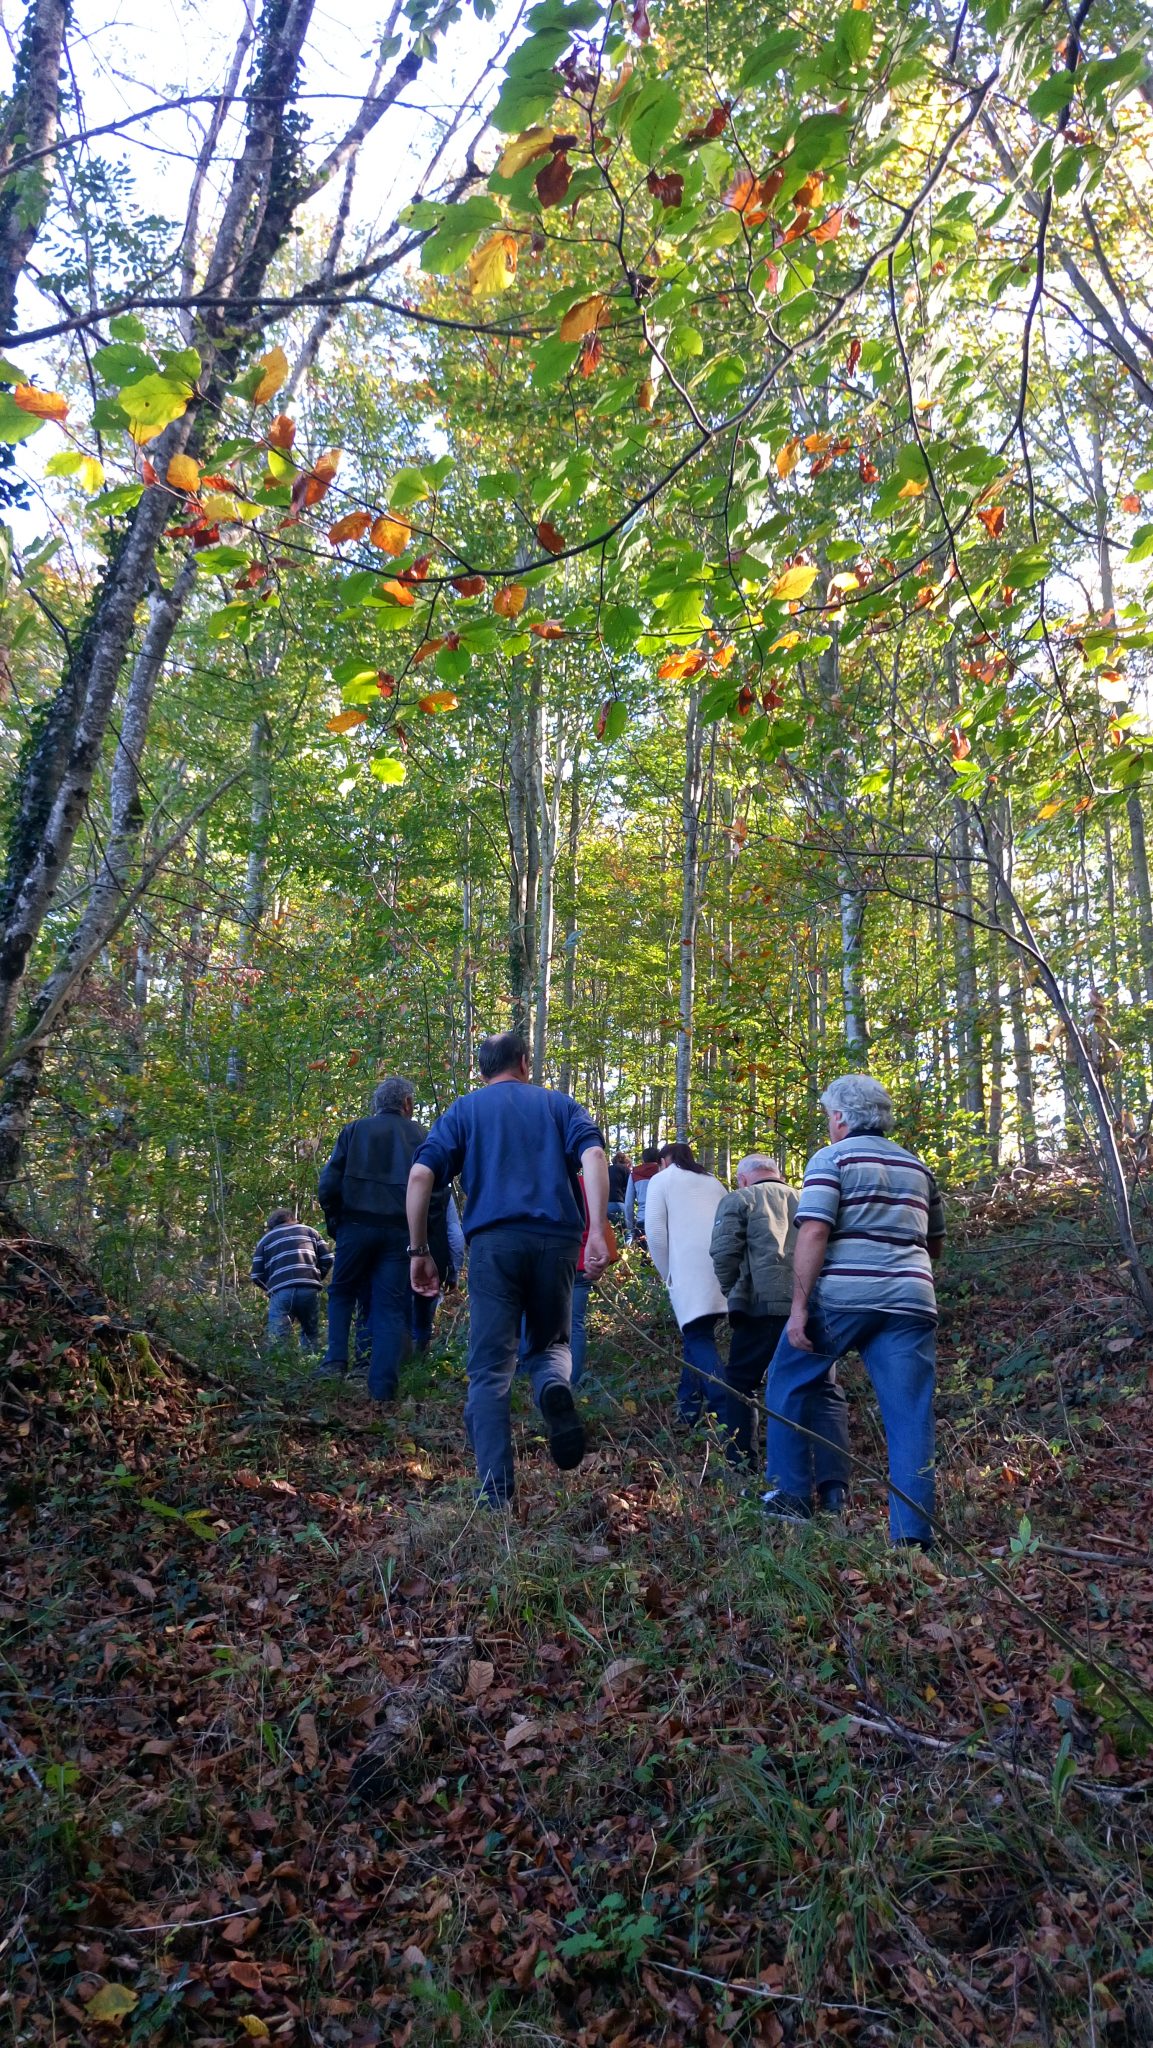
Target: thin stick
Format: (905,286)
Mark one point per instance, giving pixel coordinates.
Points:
(19,1755)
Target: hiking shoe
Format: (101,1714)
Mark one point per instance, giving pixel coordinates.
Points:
(563,1426)
(785,1507)
(327,1371)
(832,1500)
(923,1543)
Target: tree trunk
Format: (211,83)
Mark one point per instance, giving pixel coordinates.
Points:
(252,916)
(524,856)
(969,1069)
(572,931)
(29,130)
(995,1032)
(852,929)
(692,794)
(547,808)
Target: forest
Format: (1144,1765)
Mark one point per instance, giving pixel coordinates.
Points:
(631,523)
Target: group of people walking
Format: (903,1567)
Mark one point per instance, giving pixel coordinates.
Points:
(845,1264)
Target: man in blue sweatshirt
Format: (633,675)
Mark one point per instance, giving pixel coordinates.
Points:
(519,1151)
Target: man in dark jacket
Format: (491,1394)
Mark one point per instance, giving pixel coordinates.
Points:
(752,1254)
(520,1151)
(362,1190)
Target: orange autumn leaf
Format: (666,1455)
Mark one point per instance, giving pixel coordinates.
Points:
(788,458)
(592,349)
(399,592)
(183,473)
(43,405)
(320,476)
(275,368)
(830,227)
(752,197)
(867,471)
(549,538)
(645,395)
(961,744)
(438,700)
(282,433)
(346,720)
(1130,502)
(353,526)
(800,227)
(816,444)
(722,656)
(426,648)
(583,318)
(391,534)
(992,518)
(808,192)
(509,601)
(468,586)
(677,667)
(547,629)
(854,354)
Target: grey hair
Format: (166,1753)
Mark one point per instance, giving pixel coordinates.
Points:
(759,1162)
(390,1096)
(863,1103)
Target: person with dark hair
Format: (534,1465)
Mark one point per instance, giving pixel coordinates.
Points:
(870,1225)
(619,1171)
(752,1255)
(519,1151)
(637,1191)
(679,1211)
(291,1263)
(362,1192)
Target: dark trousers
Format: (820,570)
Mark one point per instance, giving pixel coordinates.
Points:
(422,1312)
(753,1341)
(699,1392)
(373,1259)
(514,1271)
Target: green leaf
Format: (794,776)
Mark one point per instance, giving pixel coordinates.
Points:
(181,363)
(121,498)
(127,327)
(1029,567)
(452,664)
(11,373)
(409,486)
(653,119)
(1051,95)
(155,401)
(120,363)
(620,627)
(355,668)
(555,359)
(853,36)
(1142,546)
(451,243)
(616,719)
(217,561)
(768,58)
(16,425)
(525,99)
(387,768)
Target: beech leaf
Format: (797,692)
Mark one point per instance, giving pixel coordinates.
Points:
(43,405)
(492,267)
(344,721)
(390,534)
(275,368)
(795,581)
(111,2004)
(583,318)
(510,600)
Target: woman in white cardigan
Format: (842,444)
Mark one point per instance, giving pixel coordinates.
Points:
(682,1202)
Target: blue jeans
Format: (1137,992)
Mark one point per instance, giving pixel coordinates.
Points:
(752,1342)
(370,1258)
(289,1305)
(422,1311)
(900,1357)
(696,1396)
(515,1271)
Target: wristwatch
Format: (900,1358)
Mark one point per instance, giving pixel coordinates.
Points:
(418,1251)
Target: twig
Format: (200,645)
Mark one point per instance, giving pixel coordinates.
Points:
(20,1757)
(762,1991)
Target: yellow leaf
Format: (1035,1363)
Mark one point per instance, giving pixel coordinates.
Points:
(847,580)
(1050,810)
(912,489)
(438,700)
(795,581)
(817,443)
(583,318)
(90,474)
(254,2027)
(43,405)
(788,458)
(112,2003)
(183,473)
(275,367)
(219,506)
(390,534)
(786,640)
(509,601)
(345,720)
(522,149)
(492,267)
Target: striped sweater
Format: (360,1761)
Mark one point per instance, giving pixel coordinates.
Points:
(882,1207)
(291,1255)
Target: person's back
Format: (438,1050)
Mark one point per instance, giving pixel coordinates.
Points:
(682,1202)
(878,1197)
(290,1263)
(519,1151)
(754,1224)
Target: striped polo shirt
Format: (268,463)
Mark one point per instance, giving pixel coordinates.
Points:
(882,1206)
(291,1255)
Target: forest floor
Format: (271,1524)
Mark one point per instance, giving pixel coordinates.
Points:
(298,1747)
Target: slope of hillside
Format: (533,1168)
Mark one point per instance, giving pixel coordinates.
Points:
(298,1747)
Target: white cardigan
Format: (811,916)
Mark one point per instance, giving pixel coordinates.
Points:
(679,1226)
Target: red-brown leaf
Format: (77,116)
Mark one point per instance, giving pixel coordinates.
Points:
(549,538)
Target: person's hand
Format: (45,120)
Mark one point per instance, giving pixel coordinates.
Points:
(596,1254)
(796,1332)
(423,1275)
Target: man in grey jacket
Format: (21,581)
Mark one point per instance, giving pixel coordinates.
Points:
(752,1254)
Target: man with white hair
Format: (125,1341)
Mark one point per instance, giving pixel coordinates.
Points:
(752,1254)
(869,1224)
